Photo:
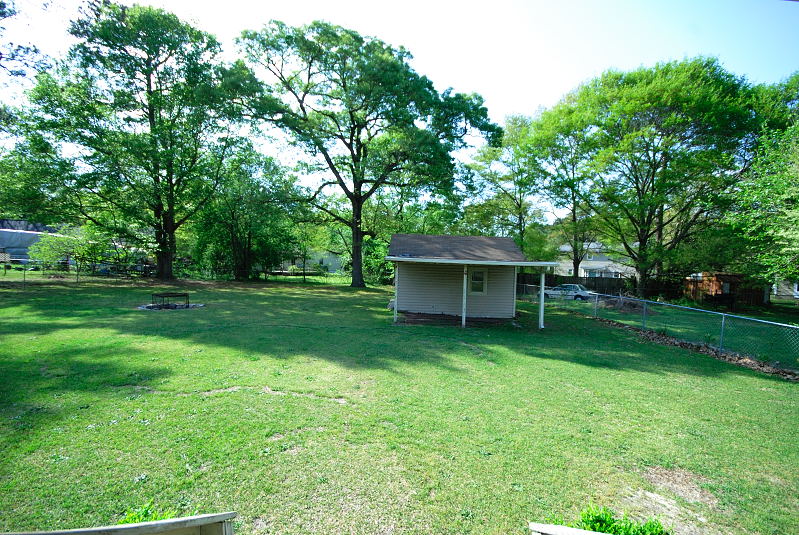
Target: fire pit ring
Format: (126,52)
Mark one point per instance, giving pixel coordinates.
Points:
(164,299)
(169,301)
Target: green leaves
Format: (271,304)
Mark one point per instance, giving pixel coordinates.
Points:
(355,104)
(650,152)
(766,205)
(148,114)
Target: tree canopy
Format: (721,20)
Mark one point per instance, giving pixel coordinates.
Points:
(667,142)
(145,109)
(145,134)
(356,106)
(766,205)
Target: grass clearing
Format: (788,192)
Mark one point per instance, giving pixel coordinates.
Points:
(304,409)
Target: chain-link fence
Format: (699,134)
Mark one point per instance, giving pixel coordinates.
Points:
(25,271)
(764,340)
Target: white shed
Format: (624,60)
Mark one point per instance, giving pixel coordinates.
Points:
(466,276)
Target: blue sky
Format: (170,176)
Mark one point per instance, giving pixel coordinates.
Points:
(519,55)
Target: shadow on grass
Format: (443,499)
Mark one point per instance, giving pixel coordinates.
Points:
(350,327)
(35,389)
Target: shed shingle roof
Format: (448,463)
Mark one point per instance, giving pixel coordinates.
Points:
(478,248)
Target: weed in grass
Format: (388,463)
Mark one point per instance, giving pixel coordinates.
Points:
(146,513)
(604,520)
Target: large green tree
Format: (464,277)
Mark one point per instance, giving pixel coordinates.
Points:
(145,108)
(670,141)
(368,120)
(32,175)
(17,59)
(766,205)
(247,226)
(508,178)
(560,150)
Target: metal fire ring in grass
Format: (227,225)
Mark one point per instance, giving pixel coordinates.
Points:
(170,301)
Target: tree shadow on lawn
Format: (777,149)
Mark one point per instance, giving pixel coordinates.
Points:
(586,342)
(348,326)
(34,388)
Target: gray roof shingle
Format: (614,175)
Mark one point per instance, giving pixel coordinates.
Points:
(445,247)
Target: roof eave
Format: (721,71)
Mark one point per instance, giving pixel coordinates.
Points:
(420,260)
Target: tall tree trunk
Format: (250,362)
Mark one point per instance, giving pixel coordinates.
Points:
(644,280)
(659,262)
(357,258)
(577,245)
(164,258)
(357,245)
(643,271)
(165,239)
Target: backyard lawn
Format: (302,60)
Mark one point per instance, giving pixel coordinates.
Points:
(304,409)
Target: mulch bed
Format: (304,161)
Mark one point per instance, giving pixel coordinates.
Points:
(733,358)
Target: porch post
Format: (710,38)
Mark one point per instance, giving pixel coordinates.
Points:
(541,302)
(396,290)
(463,301)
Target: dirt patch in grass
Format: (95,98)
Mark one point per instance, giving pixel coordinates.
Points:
(220,390)
(52,373)
(340,401)
(681,482)
(643,504)
(259,524)
(235,388)
(141,388)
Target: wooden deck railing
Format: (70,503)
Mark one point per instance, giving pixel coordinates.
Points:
(553,529)
(214,524)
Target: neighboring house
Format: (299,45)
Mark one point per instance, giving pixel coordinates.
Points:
(786,289)
(597,263)
(16,237)
(466,276)
(329,262)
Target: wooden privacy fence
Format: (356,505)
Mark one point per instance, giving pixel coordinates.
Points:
(213,524)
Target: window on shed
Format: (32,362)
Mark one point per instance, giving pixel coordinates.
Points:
(477,281)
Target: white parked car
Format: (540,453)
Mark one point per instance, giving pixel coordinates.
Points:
(568,291)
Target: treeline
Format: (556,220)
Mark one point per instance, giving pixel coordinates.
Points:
(318,138)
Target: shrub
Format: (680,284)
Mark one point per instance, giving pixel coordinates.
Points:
(146,513)
(604,520)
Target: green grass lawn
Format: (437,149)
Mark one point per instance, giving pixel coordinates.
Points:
(304,409)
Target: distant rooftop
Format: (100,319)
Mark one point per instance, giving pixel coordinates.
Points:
(21,224)
(589,246)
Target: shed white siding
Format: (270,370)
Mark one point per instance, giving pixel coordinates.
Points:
(438,289)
